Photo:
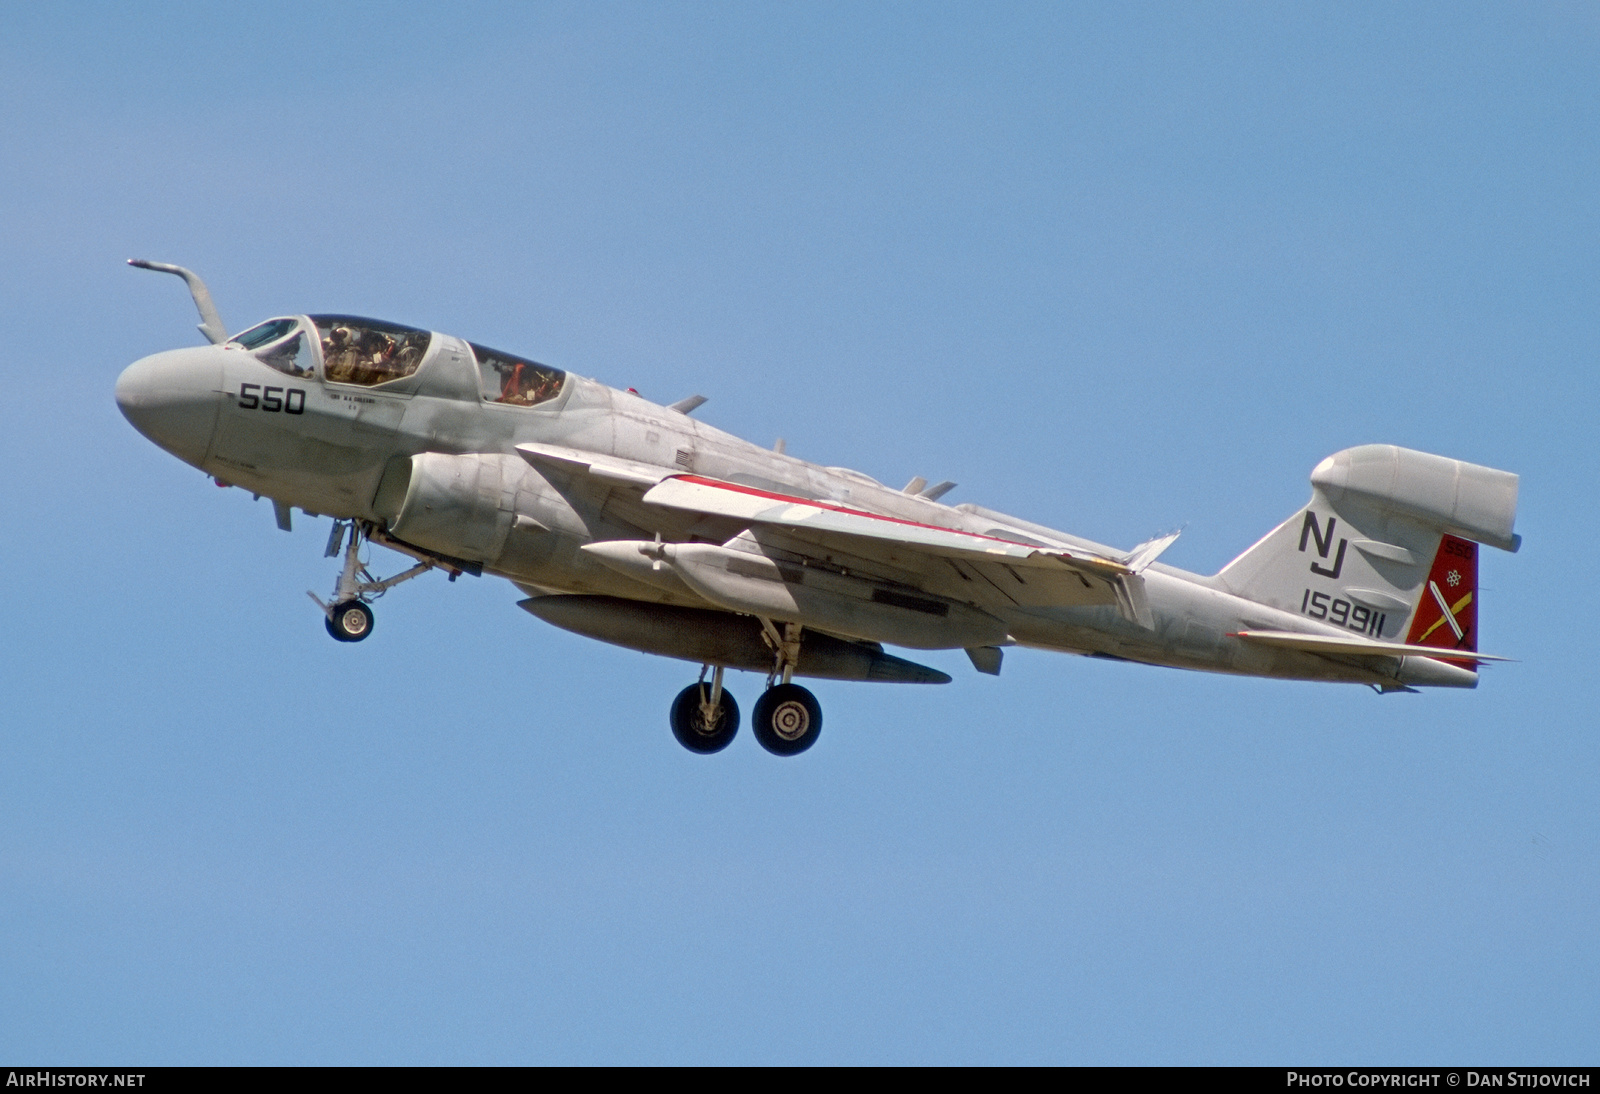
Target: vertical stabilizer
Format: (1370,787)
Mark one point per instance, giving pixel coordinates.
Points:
(1386,548)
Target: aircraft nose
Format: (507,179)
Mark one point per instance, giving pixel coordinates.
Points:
(173,398)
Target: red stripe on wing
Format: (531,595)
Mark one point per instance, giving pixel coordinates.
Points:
(737,488)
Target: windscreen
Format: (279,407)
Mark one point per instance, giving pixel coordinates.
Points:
(280,343)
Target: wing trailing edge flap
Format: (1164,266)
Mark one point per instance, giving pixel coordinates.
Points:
(1358,647)
(1096,579)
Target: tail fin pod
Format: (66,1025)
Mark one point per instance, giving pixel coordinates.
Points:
(1470,501)
(1380,522)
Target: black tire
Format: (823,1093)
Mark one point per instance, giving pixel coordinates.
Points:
(332,632)
(787,720)
(689,723)
(350,621)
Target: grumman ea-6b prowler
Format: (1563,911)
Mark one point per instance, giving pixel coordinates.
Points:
(635,524)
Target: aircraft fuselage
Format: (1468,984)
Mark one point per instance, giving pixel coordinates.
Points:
(430,460)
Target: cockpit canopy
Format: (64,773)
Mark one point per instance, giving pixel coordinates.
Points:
(370,352)
(367,351)
(505,378)
(354,350)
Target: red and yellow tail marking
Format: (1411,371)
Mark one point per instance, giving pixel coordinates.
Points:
(1447,613)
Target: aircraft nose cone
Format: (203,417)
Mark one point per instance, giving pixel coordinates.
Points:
(173,398)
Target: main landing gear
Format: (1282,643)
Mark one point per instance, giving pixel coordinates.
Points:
(787,718)
(704,717)
(347,617)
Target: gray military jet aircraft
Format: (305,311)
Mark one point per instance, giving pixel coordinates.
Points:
(635,524)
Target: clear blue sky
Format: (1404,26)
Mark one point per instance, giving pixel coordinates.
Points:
(1115,268)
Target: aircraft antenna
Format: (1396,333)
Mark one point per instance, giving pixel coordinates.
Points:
(211,326)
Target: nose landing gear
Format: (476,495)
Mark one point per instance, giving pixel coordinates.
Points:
(348,619)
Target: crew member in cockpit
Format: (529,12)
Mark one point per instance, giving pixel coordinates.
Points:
(511,388)
(336,355)
(384,363)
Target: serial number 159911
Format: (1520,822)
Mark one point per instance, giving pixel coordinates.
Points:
(1354,616)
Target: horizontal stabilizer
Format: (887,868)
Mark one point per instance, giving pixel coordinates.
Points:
(1358,647)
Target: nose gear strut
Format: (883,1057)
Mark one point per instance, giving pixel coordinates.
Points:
(347,617)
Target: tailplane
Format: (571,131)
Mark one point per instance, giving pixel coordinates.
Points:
(1387,548)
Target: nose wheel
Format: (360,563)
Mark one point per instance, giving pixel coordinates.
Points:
(350,621)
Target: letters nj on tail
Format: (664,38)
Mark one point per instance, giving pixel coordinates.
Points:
(1387,548)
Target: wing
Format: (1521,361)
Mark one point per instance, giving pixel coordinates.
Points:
(980,569)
